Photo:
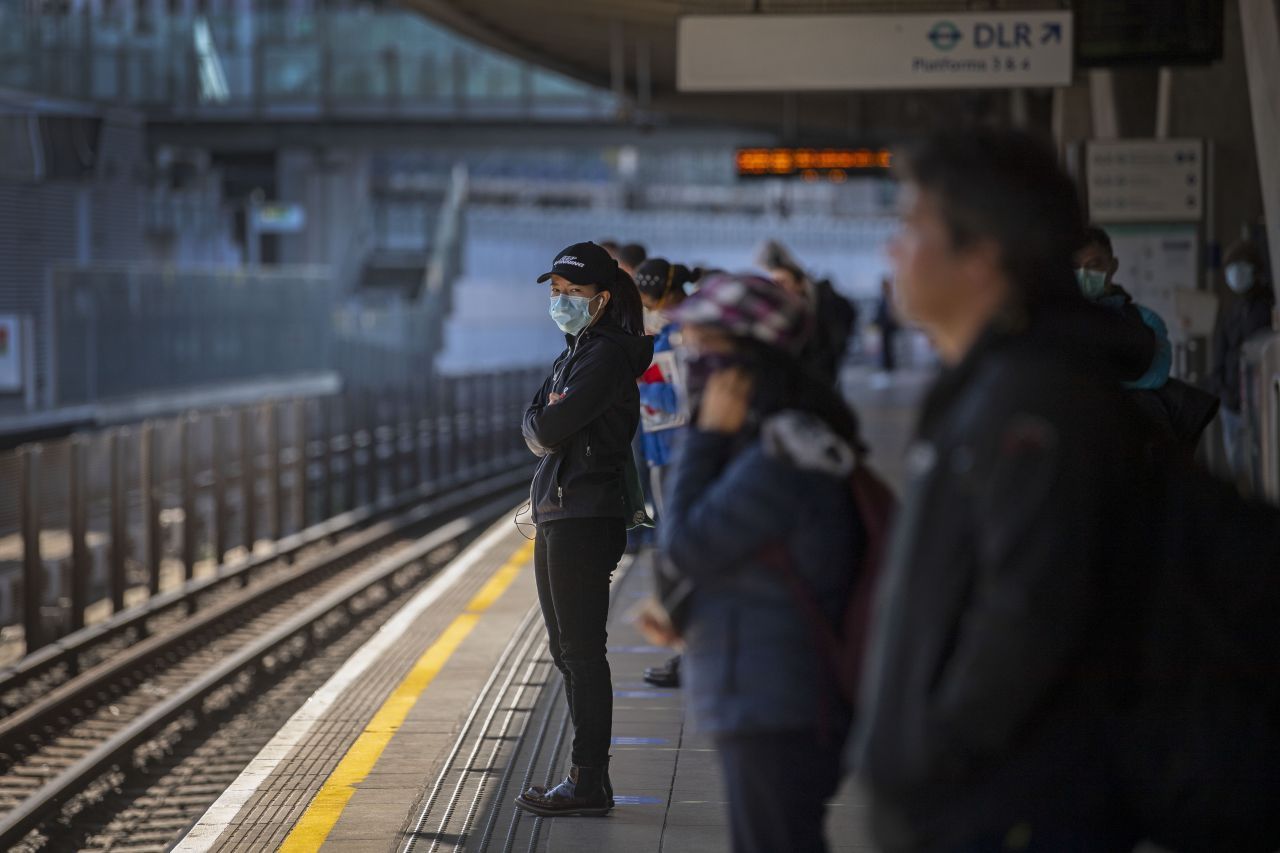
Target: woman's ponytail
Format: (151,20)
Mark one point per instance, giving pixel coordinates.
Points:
(627,309)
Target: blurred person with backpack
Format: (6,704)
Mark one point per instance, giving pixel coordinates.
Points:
(984,702)
(833,320)
(1071,648)
(762,521)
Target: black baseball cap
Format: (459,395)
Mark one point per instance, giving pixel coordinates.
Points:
(583,263)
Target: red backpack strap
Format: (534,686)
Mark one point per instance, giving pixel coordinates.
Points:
(877,506)
(825,637)
(842,646)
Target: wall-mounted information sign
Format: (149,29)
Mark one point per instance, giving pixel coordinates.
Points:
(812,163)
(947,50)
(1145,180)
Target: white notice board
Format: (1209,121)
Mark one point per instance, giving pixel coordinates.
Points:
(11,345)
(1145,180)
(754,53)
(1160,268)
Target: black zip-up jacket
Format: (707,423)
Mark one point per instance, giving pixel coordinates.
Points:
(584,439)
(998,624)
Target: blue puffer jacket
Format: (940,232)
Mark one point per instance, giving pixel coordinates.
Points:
(750,659)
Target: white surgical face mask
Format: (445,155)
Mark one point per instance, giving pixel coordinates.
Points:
(654,321)
(1240,276)
(571,313)
(1093,283)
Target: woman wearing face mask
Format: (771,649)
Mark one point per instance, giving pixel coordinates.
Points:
(761,490)
(580,424)
(1248,313)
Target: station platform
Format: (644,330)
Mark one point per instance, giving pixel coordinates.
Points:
(426,735)
(422,740)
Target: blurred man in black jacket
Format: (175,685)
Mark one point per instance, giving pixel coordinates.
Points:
(996,631)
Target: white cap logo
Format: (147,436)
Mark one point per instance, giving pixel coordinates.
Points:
(568,259)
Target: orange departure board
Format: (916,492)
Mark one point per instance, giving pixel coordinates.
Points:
(834,164)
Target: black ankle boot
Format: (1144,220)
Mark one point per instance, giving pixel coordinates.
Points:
(581,793)
(667,675)
(541,791)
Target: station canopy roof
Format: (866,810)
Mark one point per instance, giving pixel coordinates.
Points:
(581,38)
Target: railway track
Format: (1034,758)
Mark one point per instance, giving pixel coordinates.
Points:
(88,734)
(40,672)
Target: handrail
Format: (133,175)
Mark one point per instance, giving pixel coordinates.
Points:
(316,457)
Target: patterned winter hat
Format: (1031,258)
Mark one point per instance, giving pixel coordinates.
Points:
(746,305)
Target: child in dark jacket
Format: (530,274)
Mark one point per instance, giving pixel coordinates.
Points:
(763,478)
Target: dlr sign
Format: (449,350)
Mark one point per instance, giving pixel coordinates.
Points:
(1002,36)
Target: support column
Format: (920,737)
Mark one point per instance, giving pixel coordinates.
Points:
(618,67)
(1072,118)
(1102,97)
(1164,103)
(1260,20)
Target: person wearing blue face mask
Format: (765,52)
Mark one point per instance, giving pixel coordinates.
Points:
(580,425)
(1174,407)
(1096,265)
(1248,313)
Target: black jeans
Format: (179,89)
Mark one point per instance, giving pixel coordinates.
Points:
(573,560)
(778,785)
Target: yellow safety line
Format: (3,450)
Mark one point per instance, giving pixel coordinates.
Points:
(318,821)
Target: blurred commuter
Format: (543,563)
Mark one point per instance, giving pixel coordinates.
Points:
(1246,315)
(580,424)
(630,257)
(1096,266)
(833,319)
(663,405)
(609,245)
(664,416)
(889,325)
(998,625)
(762,481)
(1175,407)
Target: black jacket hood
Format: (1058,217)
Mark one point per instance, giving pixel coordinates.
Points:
(637,348)
(1099,341)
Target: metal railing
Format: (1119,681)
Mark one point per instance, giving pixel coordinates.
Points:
(1260,378)
(120,330)
(107,520)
